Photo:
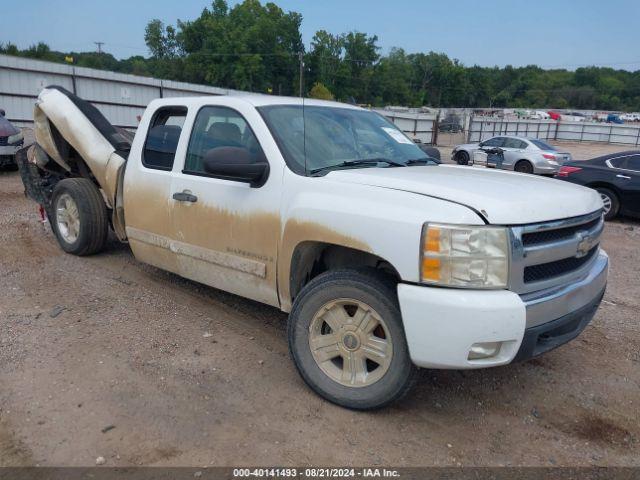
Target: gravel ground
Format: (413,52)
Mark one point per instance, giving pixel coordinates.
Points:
(106,357)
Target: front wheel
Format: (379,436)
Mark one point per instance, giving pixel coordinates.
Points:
(462,158)
(347,340)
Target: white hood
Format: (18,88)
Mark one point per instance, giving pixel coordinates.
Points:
(503,198)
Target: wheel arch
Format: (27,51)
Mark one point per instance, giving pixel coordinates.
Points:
(604,184)
(312,258)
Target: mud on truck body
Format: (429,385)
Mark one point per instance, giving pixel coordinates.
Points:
(384,260)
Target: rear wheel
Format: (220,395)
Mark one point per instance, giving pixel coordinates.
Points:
(610,202)
(347,340)
(79,216)
(523,166)
(462,158)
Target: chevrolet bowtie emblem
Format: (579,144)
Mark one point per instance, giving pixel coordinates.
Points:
(585,245)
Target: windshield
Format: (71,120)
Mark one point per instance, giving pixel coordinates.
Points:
(328,137)
(542,145)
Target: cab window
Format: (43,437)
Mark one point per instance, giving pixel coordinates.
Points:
(162,138)
(219,127)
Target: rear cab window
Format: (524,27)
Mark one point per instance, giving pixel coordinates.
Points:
(162,138)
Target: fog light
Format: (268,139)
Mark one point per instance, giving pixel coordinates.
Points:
(484,350)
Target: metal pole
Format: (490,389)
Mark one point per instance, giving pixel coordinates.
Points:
(434,129)
(301,61)
(73,80)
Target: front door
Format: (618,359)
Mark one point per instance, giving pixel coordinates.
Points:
(226,232)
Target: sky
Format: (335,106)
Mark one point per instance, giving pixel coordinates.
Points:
(548,33)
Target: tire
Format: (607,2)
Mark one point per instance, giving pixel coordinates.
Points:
(349,294)
(79,217)
(610,201)
(523,166)
(462,158)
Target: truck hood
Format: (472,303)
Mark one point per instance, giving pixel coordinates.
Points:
(503,198)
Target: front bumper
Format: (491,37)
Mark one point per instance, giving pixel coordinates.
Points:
(441,324)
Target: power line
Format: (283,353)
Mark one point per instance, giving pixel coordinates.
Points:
(99,44)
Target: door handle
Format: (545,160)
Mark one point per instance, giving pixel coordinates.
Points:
(185,197)
(623,176)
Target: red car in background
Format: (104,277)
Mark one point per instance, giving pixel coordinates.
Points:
(554,115)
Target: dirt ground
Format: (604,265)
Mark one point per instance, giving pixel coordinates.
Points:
(105,356)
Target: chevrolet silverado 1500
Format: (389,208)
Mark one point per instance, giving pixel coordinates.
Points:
(384,260)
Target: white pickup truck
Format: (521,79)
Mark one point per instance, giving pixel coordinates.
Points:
(385,260)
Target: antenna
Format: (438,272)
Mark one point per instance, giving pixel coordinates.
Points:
(99,44)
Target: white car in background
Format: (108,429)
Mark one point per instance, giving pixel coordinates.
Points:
(630,117)
(539,115)
(521,154)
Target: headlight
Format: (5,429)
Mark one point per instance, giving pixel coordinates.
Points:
(17,138)
(464,256)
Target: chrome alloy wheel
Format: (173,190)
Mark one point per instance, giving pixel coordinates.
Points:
(606,202)
(67,218)
(350,342)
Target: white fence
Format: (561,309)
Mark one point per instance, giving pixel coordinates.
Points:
(482,128)
(121,98)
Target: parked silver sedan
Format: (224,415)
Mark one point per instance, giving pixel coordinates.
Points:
(522,154)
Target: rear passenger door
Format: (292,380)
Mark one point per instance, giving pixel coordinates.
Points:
(628,181)
(514,150)
(226,231)
(147,188)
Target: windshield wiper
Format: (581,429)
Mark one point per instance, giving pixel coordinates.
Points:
(355,163)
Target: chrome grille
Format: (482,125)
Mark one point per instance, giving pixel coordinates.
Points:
(536,273)
(544,236)
(547,254)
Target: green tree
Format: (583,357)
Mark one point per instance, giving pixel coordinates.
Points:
(256,46)
(320,91)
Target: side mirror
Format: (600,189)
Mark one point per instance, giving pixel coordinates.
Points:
(235,163)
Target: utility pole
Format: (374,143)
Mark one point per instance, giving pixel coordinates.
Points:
(301,60)
(99,44)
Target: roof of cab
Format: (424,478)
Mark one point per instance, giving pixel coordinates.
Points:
(256,100)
